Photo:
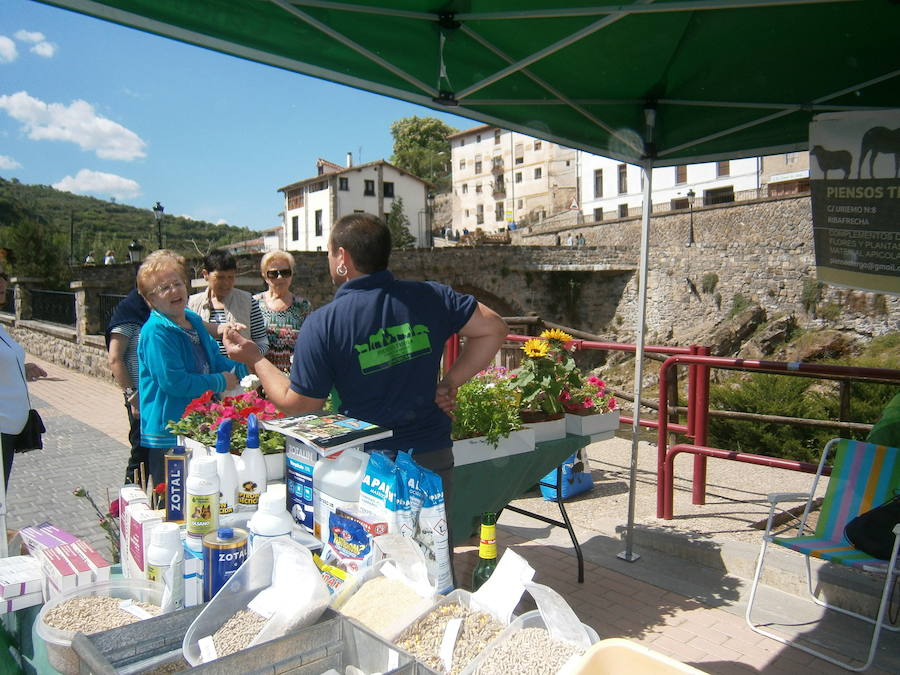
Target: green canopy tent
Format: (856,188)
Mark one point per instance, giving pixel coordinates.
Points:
(654,83)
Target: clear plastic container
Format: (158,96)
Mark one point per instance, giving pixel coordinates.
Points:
(253,576)
(532,619)
(59,642)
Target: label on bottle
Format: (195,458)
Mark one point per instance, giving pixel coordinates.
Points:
(487,548)
(200,516)
(248,494)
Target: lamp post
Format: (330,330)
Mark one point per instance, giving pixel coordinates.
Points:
(429,228)
(158,214)
(690,197)
(134,251)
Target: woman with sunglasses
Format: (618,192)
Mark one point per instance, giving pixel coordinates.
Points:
(283,312)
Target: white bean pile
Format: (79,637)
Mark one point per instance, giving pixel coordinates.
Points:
(92,614)
(530,651)
(423,638)
(237,632)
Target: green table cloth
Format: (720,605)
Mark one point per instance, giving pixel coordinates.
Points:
(491,485)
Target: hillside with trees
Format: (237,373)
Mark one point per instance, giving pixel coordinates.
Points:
(46,229)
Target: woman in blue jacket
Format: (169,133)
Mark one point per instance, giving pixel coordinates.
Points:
(178,360)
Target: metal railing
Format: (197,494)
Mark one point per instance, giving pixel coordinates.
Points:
(108,302)
(53,306)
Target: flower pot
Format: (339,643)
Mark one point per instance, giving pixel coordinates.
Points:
(196,448)
(546,426)
(471,450)
(587,423)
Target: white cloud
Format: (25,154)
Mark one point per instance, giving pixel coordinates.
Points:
(7,162)
(97,182)
(45,49)
(221,221)
(8,51)
(29,36)
(77,123)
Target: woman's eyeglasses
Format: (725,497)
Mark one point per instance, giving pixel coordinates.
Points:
(274,274)
(164,289)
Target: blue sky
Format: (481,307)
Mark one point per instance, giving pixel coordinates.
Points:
(109,111)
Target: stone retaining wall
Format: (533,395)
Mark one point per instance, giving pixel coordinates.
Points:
(758,252)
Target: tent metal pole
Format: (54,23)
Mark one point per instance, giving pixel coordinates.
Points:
(647,170)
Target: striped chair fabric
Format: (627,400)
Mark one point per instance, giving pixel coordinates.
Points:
(863,476)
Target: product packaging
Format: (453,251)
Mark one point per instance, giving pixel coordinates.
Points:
(300,460)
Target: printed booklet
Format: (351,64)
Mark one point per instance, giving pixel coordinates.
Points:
(328,433)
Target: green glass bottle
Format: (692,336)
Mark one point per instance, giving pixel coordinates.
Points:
(487,551)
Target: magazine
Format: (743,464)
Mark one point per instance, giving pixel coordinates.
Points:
(328,433)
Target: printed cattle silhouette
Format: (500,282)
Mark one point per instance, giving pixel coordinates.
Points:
(832,160)
(376,341)
(880,140)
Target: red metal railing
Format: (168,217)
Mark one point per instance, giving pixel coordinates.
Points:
(700,401)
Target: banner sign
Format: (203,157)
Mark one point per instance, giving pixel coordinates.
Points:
(854,168)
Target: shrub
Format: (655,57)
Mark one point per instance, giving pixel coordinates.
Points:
(811,294)
(830,311)
(768,394)
(709,281)
(738,304)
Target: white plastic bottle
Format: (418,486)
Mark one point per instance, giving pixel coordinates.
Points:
(336,485)
(202,501)
(271,521)
(225,468)
(164,555)
(252,470)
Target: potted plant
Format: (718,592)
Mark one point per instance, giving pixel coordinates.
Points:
(590,408)
(202,417)
(486,422)
(547,371)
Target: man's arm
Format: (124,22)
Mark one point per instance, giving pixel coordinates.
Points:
(484,333)
(277,384)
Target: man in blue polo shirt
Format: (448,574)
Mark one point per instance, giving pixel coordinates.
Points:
(379,344)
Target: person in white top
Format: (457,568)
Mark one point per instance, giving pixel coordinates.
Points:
(14,375)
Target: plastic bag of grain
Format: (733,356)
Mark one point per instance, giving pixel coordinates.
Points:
(384,598)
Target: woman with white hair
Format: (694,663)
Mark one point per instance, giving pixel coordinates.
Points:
(283,311)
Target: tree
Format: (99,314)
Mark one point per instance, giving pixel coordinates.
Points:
(421,148)
(36,249)
(398,224)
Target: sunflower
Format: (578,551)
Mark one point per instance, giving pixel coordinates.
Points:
(556,334)
(536,349)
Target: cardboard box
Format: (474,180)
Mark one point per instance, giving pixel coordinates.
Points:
(100,567)
(20,575)
(298,476)
(58,574)
(141,524)
(44,535)
(77,563)
(193,576)
(21,602)
(129,496)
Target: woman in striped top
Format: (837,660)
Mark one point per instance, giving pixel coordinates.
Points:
(283,311)
(222,303)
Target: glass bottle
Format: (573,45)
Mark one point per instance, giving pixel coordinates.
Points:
(487,550)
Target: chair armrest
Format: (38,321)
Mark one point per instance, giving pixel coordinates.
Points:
(775,497)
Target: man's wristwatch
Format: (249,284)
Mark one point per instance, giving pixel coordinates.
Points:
(129,393)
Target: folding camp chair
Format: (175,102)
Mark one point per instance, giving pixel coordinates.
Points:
(863,476)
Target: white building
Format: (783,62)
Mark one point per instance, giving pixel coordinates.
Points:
(611,189)
(503,177)
(312,205)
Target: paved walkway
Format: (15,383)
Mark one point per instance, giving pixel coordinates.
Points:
(682,609)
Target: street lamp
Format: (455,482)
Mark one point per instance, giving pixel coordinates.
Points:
(134,251)
(690,197)
(158,213)
(429,229)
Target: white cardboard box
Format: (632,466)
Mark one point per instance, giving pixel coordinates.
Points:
(59,575)
(20,575)
(140,526)
(21,602)
(98,564)
(193,577)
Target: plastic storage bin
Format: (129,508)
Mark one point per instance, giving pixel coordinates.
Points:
(616,655)
(253,576)
(532,619)
(59,642)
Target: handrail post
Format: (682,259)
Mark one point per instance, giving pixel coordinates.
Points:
(662,431)
(698,488)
